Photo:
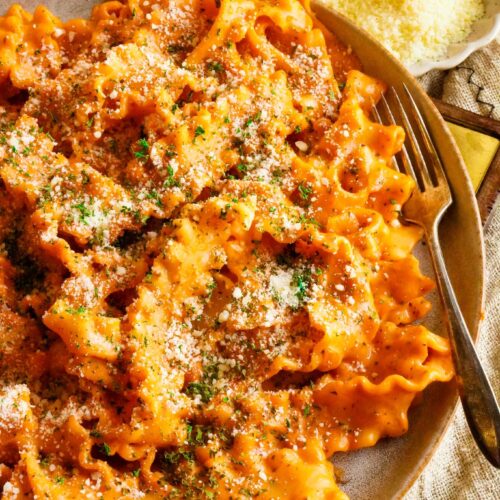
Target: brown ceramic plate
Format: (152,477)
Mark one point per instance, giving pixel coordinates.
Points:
(387,470)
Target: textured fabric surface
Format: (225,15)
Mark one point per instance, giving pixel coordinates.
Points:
(473,85)
(458,471)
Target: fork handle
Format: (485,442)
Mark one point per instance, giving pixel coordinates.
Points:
(478,400)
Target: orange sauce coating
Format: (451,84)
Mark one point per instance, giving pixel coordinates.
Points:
(206,290)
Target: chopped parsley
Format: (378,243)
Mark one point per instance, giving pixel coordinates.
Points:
(201,389)
(105,448)
(84,212)
(215,66)
(79,310)
(174,457)
(302,281)
(175,48)
(170,181)
(143,152)
(253,119)
(154,195)
(305,192)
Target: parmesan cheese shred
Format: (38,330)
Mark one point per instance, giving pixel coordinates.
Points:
(413,30)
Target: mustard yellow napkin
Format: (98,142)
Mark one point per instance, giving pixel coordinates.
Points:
(478,151)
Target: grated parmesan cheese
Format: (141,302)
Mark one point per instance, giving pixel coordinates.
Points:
(413,30)
(14,407)
(282,284)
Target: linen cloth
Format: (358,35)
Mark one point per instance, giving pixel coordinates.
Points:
(473,85)
(458,471)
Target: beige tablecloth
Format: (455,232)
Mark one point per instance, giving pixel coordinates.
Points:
(458,471)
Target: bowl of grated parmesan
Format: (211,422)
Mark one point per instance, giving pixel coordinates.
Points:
(425,34)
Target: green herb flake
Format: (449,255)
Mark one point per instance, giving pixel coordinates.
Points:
(84,212)
(170,181)
(154,195)
(302,281)
(215,66)
(201,389)
(143,152)
(305,191)
(105,448)
(78,311)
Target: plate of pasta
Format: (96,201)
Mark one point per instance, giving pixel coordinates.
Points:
(206,286)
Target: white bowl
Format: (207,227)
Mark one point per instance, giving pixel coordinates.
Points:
(484,31)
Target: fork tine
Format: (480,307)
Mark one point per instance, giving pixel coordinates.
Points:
(376,115)
(407,165)
(429,144)
(417,152)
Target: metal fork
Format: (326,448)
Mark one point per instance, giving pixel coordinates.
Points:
(426,207)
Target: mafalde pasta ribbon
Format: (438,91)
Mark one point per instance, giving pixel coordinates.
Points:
(206,289)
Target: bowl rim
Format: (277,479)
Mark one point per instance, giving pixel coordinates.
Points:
(476,318)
